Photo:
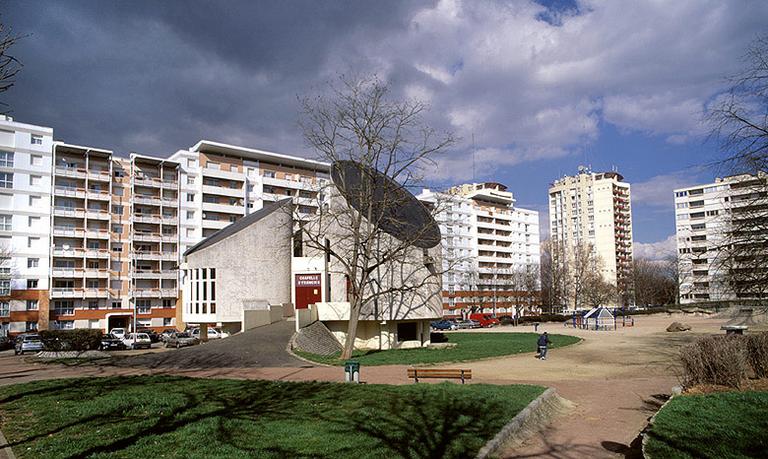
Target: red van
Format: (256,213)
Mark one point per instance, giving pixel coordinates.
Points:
(486,320)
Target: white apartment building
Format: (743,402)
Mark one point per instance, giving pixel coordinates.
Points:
(595,208)
(487,244)
(25,196)
(702,217)
(221,183)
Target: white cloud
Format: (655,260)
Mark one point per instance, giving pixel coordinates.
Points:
(530,90)
(659,250)
(658,190)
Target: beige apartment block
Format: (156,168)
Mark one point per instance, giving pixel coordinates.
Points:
(114,240)
(594,208)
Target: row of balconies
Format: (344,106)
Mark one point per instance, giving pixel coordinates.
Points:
(73,292)
(62,211)
(155,201)
(154,237)
(153,255)
(79,272)
(156,182)
(155,292)
(100,175)
(65,231)
(75,192)
(80,252)
(156,274)
(155,218)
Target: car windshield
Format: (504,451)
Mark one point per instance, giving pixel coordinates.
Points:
(31,339)
(183,335)
(142,336)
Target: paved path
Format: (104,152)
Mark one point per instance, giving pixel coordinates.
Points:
(615,379)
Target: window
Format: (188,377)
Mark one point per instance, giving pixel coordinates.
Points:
(33,262)
(34,201)
(33,221)
(35,180)
(93,304)
(143,323)
(191,162)
(269,174)
(63,324)
(6,180)
(117,210)
(143,306)
(31,283)
(190,214)
(6,159)
(5,287)
(117,229)
(190,180)
(36,160)
(118,173)
(117,248)
(31,326)
(167,303)
(92,283)
(5,308)
(6,222)
(36,139)
(64,307)
(167,322)
(117,191)
(116,305)
(190,197)
(712,213)
(32,305)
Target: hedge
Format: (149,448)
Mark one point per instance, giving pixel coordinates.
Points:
(71,340)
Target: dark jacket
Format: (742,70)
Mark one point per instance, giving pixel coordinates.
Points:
(544,340)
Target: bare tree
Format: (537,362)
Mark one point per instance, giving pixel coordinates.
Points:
(555,281)
(655,281)
(597,292)
(357,120)
(739,122)
(9,65)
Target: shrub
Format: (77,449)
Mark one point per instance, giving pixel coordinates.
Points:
(720,360)
(757,351)
(71,340)
(544,318)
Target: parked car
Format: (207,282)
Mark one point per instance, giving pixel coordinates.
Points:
(444,325)
(468,324)
(110,341)
(213,333)
(153,335)
(28,343)
(180,339)
(485,320)
(141,341)
(166,333)
(5,342)
(118,332)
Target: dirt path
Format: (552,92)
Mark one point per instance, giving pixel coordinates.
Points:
(615,379)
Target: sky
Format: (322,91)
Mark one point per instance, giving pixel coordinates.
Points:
(541,86)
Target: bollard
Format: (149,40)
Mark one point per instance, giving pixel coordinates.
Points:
(352,371)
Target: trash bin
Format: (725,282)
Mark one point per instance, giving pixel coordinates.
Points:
(535,326)
(352,371)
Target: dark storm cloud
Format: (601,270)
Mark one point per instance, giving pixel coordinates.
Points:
(158,76)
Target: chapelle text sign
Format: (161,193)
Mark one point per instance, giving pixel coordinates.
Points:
(307,280)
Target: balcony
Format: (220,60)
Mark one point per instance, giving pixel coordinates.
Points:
(61,211)
(97,253)
(97,214)
(97,273)
(149,200)
(230,175)
(147,237)
(170,256)
(147,293)
(68,232)
(170,184)
(170,237)
(96,293)
(147,181)
(215,224)
(146,274)
(224,191)
(72,252)
(100,175)
(140,255)
(238,209)
(98,195)
(68,292)
(147,218)
(69,172)
(169,274)
(169,220)
(66,272)
(295,184)
(97,234)
(170,202)
(69,191)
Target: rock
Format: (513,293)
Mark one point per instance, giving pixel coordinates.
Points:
(441,345)
(678,327)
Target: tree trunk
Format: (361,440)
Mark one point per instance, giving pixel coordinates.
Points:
(354,316)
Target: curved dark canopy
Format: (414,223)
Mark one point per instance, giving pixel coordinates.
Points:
(385,202)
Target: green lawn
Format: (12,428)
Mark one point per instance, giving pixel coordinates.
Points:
(470,346)
(723,425)
(176,417)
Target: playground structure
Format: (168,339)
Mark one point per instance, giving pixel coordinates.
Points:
(600,318)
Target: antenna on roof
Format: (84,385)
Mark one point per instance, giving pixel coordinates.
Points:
(474,179)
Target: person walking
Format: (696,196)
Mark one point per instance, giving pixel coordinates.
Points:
(543,343)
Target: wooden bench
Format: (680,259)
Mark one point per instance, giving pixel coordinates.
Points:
(438,373)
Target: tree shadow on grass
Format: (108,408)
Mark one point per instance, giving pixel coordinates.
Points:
(251,418)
